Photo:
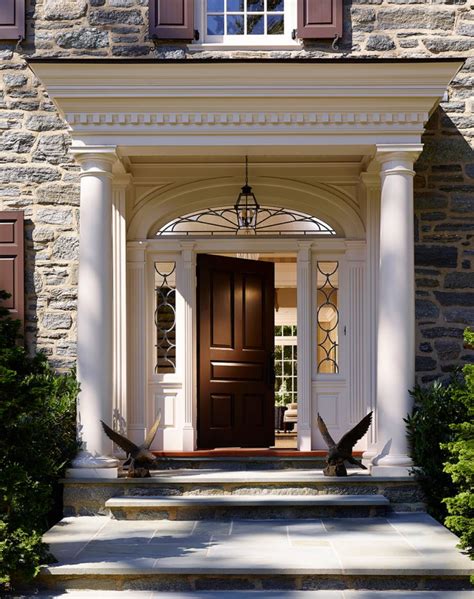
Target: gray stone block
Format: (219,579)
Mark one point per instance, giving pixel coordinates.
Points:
(104,16)
(426,310)
(15,141)
(435,332)
(64,10)
(55,321)
(28,174)
(380,43)
(44,123)
(462,203)
(53,216)
(462,315)
(447,350)
(425,363)
(459,280)
(66,248)
(436,255)
(415,18)
(83,39)
(453,298)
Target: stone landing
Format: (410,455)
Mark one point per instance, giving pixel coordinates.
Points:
(398,552)
(250,531)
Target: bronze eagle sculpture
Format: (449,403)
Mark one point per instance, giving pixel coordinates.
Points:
(342,451)
(139,457)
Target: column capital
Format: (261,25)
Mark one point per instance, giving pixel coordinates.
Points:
(121,182)
(95,159)
(304,251)
(397,156)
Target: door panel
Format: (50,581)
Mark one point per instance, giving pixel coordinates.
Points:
(235,348)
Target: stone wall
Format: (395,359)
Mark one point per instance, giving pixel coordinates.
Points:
(38,175)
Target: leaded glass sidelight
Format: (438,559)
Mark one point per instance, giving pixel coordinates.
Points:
(327,317)
(165,317)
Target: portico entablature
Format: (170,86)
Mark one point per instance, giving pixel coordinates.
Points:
(184,104)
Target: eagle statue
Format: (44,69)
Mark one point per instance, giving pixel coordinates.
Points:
(342,451)
(139,457)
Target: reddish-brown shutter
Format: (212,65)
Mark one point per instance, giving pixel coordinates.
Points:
(12,19)
(319,19)
(172,19)
(12,273)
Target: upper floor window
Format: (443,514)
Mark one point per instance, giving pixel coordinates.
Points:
(249,21)
(246,22)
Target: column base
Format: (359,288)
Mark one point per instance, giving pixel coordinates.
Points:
(189,438)
(392,465)
(304,438)
(86,465)
(368,456)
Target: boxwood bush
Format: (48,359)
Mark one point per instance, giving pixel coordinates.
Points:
(441,434)
(37,439)
(460,465)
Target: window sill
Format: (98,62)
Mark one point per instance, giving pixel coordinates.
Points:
(223,47)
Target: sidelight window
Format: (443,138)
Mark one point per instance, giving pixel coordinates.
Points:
(165,317)
(327,317)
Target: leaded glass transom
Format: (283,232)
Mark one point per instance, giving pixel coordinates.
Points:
(271,221)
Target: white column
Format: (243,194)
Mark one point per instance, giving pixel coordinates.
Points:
(119,242)
(188,294)
(371,181)
(304,340)
(136,341)
(95,314)
(396,314)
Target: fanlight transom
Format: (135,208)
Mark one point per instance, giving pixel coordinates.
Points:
(270,221)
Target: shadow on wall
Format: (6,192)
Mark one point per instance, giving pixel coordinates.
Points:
(444,248)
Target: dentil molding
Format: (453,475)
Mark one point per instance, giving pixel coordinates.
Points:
(186,120)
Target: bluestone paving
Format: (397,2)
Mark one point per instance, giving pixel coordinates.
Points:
(256,595)
(408,544)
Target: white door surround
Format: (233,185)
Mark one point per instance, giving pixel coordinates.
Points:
(329,111)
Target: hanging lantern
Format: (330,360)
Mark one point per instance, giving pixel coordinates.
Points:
(246,206)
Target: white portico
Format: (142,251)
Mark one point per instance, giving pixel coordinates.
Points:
(336,141)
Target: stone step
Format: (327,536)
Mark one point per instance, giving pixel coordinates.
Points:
(244,461)
(397,552)
(227,507)
(259,595)
(88,496)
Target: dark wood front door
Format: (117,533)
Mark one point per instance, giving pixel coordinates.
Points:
(235,352)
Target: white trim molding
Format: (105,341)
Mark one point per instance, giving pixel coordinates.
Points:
(232,103)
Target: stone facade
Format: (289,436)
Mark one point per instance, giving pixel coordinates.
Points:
(38,175)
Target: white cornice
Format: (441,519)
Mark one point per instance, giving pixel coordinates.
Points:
(133,104)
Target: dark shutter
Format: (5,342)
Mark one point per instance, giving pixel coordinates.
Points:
(319,19)
(12,274)
(12,19)
(172,19)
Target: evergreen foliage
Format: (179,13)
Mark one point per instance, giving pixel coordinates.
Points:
(460,466)
(37,439)
(429,430)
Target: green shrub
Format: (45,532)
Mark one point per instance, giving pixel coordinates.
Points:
(460,466)
(37,439)
(435,409)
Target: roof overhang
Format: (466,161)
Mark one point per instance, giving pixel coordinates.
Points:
(162,107)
